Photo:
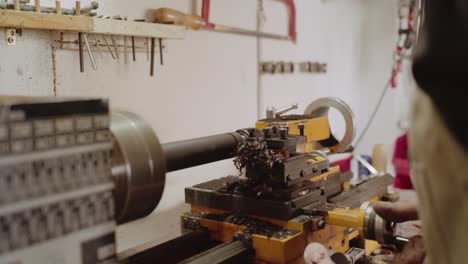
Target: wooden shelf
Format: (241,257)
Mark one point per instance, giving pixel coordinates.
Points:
(32,20)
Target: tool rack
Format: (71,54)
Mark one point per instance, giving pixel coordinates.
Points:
(85,24)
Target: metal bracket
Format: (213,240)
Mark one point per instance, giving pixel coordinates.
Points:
(10,36)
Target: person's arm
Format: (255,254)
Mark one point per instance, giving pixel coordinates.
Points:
(440,65)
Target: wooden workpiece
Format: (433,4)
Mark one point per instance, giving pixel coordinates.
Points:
(33,20)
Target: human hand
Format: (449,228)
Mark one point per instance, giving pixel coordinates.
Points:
(414,252)
(316,253)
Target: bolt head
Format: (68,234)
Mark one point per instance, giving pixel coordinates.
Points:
(321,224)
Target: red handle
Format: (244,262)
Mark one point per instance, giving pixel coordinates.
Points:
(292,19)
(206,13)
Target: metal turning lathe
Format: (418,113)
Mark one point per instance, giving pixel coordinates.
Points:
(62,161)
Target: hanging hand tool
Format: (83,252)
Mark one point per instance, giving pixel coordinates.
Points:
(152,57)
(114,43)
(80,34)
(133,48)
(161,51)
(116,49)
(80,48)
(108,47)
(171,16)
(90,52)
(58,7)
(133,39)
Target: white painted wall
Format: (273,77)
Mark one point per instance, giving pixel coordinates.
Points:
(208,84)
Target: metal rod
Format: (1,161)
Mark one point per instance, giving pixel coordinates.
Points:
(115,47)
(37,6)
(133,48)
(80,35)
(240,31)
(286,109)
(80,47)
(58,7)
(161,52)
(98,46)
(125,50)
(152,58)
(90,52)
(108,47)
(193,152)
(91,7)
(78,8)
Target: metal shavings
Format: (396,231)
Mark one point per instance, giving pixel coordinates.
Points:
(254,154)
(246,187)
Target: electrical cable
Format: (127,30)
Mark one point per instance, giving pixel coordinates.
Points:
(373,115)
(421,15)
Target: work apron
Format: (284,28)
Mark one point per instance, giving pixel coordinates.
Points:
(439,168)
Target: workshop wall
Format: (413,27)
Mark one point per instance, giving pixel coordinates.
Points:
(208,84)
